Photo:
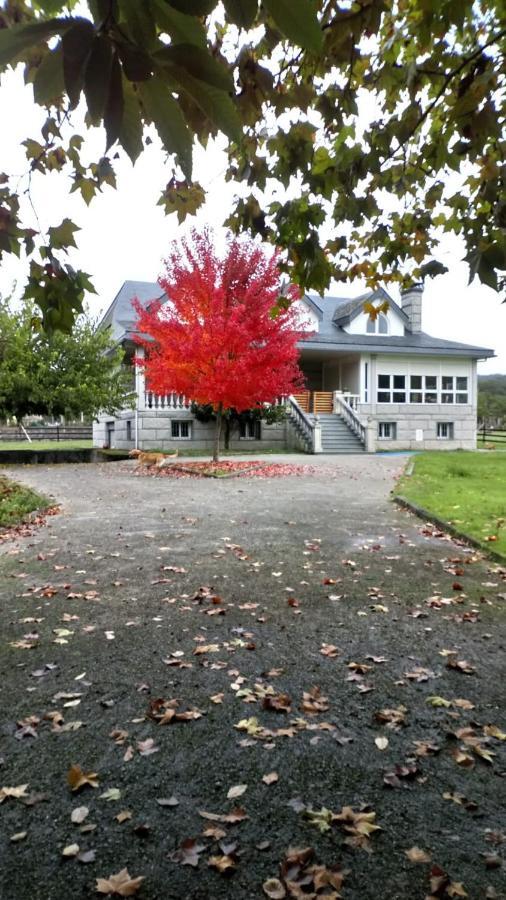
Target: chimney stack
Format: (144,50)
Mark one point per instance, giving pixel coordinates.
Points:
(411,303)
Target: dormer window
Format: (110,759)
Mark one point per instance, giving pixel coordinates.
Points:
(379,325)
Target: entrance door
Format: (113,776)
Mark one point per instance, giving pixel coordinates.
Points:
(109,435)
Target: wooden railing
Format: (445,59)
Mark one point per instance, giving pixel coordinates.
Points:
(303,400)
(165,401)
(322,402)
(343,408)
(310,430)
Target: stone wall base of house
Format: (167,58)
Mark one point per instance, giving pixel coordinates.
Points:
(154,432)
(417,429)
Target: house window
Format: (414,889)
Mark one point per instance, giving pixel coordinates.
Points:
(423,389)
(445,431)
(387,431)
(391,388)
(250,429)
(379,325)
(181,429)
(129,430)
(454,389)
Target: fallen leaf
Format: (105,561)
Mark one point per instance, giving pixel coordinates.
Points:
(274,889)
(416,855)
(15,792)
(121,884)
(20,836)
(70,850)
(237,791)
(381,743)
(111,794)
(270,778)
(77,779)
(79,814)
(123,816)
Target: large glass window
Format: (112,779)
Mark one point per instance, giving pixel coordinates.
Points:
(454,389)
(391,388)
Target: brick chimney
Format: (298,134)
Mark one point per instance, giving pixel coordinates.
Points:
(411,303)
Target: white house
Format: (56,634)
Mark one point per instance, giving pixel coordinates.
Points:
(372,383)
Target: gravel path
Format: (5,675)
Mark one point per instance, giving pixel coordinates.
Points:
(102,611)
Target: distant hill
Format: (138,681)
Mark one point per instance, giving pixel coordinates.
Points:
(492,399)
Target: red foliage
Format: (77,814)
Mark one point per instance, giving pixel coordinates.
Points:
(229,468)
(216,340)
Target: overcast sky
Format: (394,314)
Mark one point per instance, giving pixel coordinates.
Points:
(124,235)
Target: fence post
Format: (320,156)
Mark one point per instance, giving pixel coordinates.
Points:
(57,432)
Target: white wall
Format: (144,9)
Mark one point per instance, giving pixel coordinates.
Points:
(358,325)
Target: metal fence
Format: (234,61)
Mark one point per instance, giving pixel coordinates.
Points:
(47,433)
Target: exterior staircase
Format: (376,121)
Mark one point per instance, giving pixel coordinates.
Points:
(337,436)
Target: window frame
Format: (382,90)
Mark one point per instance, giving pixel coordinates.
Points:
(250,425)
(391,427)
(445,431)
(396,392)
(175,425)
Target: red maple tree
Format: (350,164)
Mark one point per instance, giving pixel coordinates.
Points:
(216,340)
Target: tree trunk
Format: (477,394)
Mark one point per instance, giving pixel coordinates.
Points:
(227,433)
(217,433)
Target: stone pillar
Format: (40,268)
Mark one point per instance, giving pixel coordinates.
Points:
(317,437)
(370,436)
(411,302)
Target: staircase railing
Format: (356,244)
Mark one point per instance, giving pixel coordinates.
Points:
(310,429)
(344,409)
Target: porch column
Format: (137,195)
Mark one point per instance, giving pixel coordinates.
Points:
(373,388)
(370,436)
(317,436)
(140,384)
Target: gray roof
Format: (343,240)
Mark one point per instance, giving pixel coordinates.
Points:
(338,311)
(331,338)
(120,315)
(377,343)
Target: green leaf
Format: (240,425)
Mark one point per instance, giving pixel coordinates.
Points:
(199,63)
(76,43)
(182,198)
(97,77)
(298,22)
(217,105)
(130,135)
(182,29)
(62,235)
(48,84)
(168,120)
(140,21)
(241,12)
(17,38)
(137,65)
(113,113)
(194,7)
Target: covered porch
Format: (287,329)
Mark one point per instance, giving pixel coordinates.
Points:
(325,375)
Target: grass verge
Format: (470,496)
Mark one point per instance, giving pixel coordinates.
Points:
(16,501)
(45,445)
(466,489)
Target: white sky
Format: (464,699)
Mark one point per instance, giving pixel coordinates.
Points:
(125,235)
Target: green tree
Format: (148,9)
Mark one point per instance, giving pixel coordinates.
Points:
(58,374)
(382,120)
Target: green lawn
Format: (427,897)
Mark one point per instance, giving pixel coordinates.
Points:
(466,489)
(45,445)
(16,501)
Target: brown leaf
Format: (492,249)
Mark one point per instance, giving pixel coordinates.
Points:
(235,815)
(416,855)
(270,778)
(223,864)
(274,889)
(77,779)
(15,792)
(188,853)
(277,702)
(121,884)
(460,665)
(71,850)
